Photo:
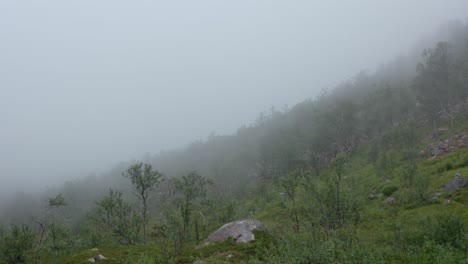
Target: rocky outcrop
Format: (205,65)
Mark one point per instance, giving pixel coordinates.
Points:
(454,142)
(242,231)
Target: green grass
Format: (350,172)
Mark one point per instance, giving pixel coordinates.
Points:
(228,251)
(224,252)
(115,254)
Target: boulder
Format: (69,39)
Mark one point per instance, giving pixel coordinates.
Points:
(98,258)
(456,184)
(389,200)
(240,230)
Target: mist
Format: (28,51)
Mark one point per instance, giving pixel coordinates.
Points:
(86,84)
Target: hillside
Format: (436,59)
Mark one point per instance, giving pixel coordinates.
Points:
(359,174)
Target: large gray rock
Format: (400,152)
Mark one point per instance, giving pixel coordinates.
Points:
(456,183)
(389,200)
(240,230)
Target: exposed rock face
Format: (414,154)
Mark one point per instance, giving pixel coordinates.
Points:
(241,231)
(456,141)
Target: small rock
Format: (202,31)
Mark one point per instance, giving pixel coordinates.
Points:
(98,258)
(422,154)
(389,200)
(437,196)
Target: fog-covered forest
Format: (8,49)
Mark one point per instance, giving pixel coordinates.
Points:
(371,170)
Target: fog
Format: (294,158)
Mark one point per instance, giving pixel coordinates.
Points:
(86,84)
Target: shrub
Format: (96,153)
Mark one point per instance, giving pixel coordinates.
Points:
(17,244)
(450,230)
(408,173)
(389,190)
(448,166)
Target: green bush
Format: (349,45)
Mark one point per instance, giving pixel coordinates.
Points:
(450,230)
(448,166)
(17,244)
(389,190)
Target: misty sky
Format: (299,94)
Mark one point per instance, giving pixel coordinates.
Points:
(85,84)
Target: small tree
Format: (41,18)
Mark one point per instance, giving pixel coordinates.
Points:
(47,223)
(333,207)
(290,185)
(338,166)
(144,179)
(192,186)
(119,217)
(169,234)
(57,201)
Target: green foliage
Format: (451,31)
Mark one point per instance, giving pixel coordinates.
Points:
(17,244)
(451,230)
(191,186)
(216,210)
(407,173)
(328,204)
(169,234)
(144,179)
(289,185)
(421,188)
(58,237)
(310,249)
(385,164)
(388,190)
(57,201)
(115,254)
(118,217)
(229,251)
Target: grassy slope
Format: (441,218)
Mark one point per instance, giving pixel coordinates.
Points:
(226,252)
(381,224)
